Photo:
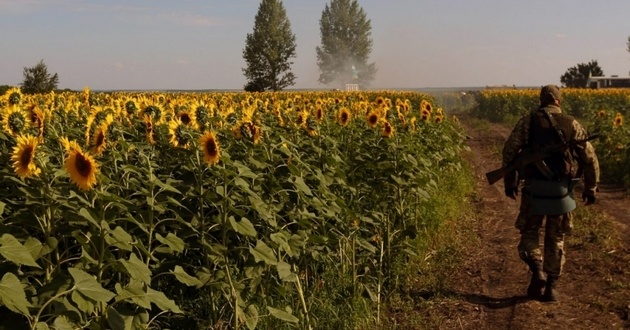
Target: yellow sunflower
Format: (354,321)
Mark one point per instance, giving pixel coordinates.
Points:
(98,142)
(187,118)
(425,115)
(319,113)
(23,157)
(14,96)
(373,118)
(618,121)
(148,124)
(210,147)
(439,118)
(601,113)
(343,116)
(388,130)
(177,136)
(425,106)
(14,120)
(81,167)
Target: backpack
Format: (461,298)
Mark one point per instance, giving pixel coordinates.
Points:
(548,129)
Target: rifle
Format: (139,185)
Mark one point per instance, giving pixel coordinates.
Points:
(529,156)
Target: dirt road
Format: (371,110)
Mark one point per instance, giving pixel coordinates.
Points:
(489,291)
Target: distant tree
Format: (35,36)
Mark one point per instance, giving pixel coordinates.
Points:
(268,49)
(628,44)
(4,89)
(38,80)
(346,44)
(577,76)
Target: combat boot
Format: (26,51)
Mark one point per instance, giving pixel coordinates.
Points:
(550,294)
(537,283)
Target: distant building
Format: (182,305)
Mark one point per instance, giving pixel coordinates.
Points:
(608,82)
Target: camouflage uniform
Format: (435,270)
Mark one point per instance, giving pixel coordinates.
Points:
(557,225)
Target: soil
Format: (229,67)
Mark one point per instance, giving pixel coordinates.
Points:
(488,292)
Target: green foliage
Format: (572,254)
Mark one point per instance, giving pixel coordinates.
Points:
(4,89)
(38,80)
(346,44)
(269,48)
(577,76)
(306,228)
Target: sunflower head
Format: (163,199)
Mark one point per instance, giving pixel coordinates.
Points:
(373,118)
(618,121)
(14,96)
(179,137)
(131,107)
(210,148)
(343,116)
(98,141)
(23,156)
(388,130)
(15,120)
(82,168)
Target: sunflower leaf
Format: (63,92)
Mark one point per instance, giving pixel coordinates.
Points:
(262,252)
(282,315)
(87,216)
(14,251)
(136,268)
(185,278)
(244,226)
(162,302)
(301,186)
(87,285)
(12,294)
(174,242)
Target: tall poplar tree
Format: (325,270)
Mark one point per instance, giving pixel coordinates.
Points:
(269,48)
(346,44)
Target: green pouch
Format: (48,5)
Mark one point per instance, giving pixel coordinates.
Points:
(550,197)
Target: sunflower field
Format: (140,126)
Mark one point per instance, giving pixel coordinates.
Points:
(598,110)
(214,210)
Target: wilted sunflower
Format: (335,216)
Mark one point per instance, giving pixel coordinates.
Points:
(210,147)
(343,116)
(81,167)
(373,118)
(388,130)
(14,120)
(23,157)
(618,121)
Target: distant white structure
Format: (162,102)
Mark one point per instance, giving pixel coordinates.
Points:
(608,82)
(352,87)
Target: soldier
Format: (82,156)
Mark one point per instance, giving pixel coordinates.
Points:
(547,187)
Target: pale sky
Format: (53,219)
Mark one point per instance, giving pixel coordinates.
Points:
(159,44)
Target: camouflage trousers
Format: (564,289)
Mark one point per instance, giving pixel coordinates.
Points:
(556,227)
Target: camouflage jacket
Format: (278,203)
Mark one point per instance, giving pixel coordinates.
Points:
(584,151)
